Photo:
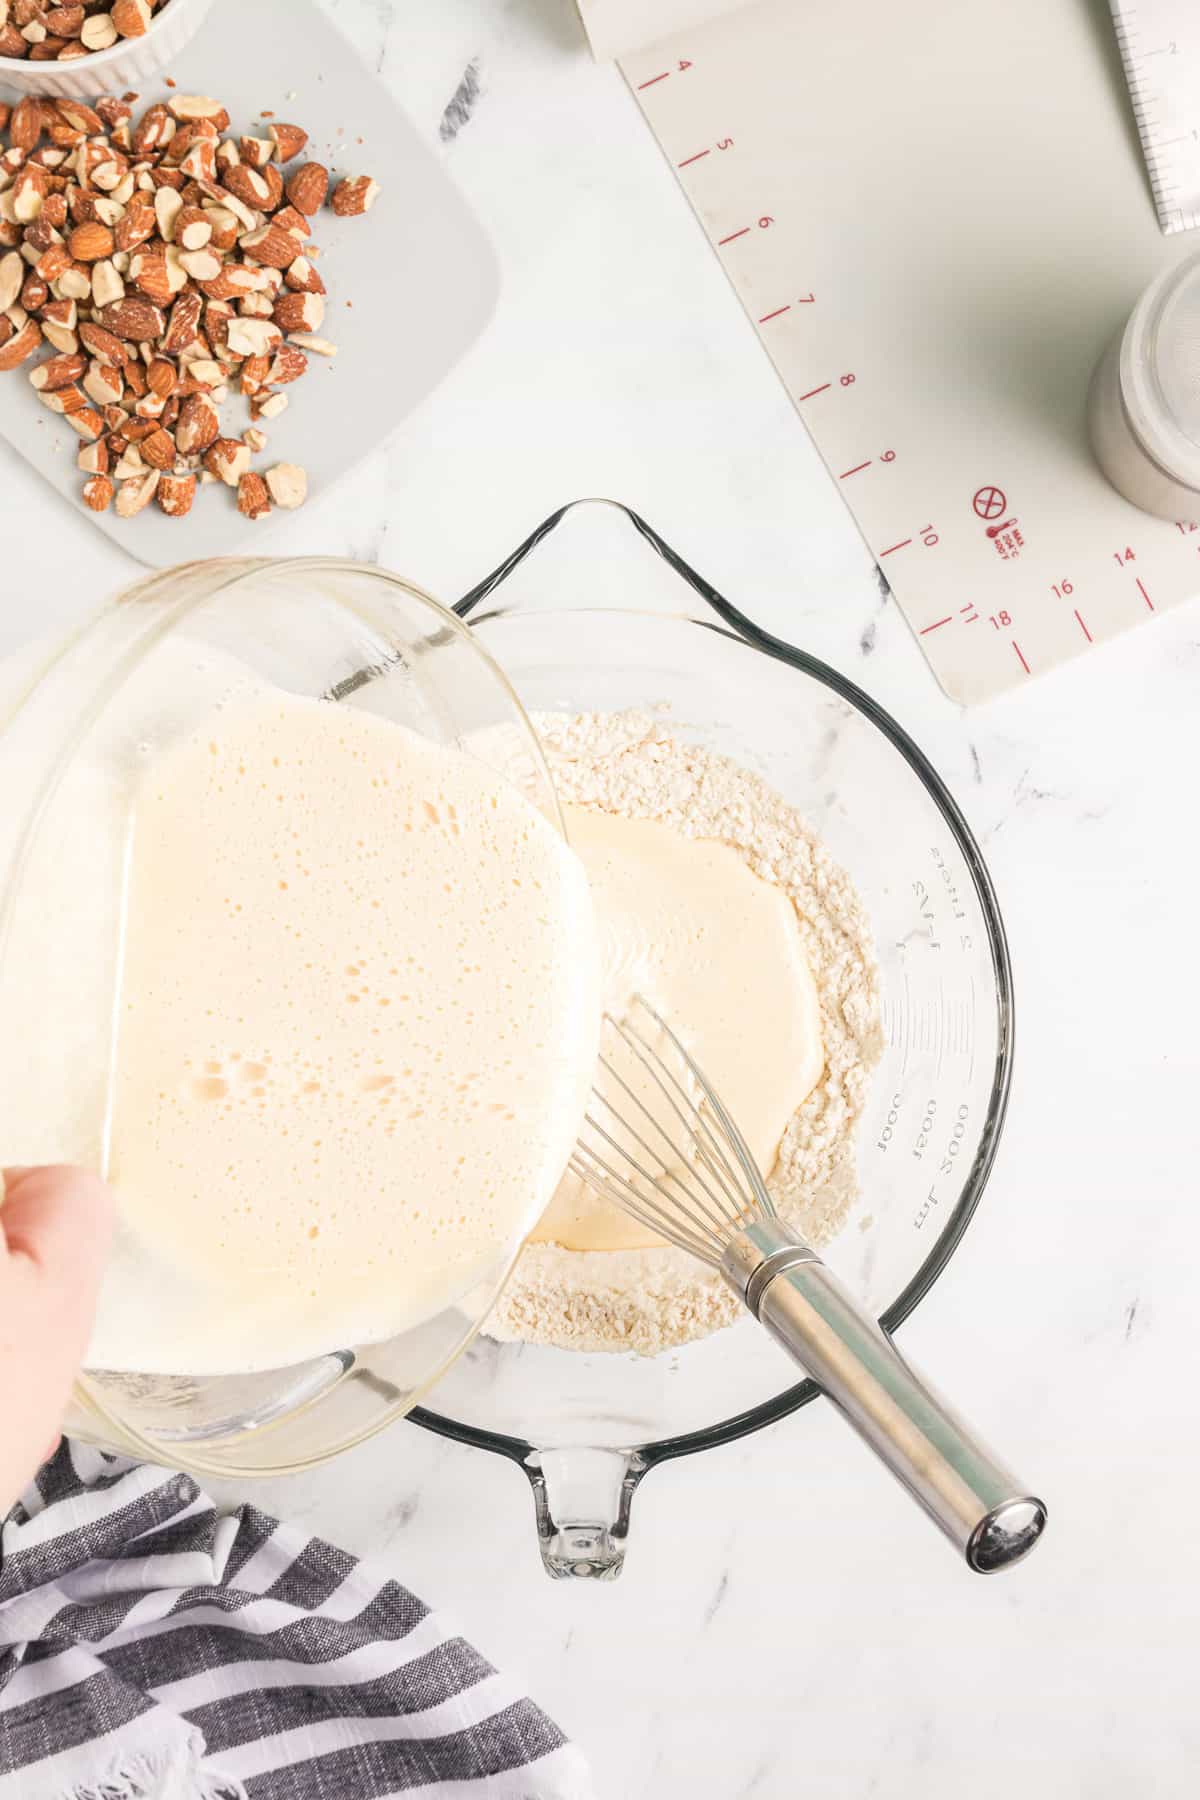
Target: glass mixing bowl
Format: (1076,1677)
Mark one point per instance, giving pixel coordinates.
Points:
(586,1429)
(74,735)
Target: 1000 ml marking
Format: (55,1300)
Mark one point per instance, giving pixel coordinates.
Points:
(889,1124)
(947,1165)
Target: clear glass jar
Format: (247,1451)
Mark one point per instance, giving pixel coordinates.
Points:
(1144,400)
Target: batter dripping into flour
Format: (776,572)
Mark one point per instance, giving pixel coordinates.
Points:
(718,903)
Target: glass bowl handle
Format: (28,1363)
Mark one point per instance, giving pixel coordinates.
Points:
(717,602)
(582,1499)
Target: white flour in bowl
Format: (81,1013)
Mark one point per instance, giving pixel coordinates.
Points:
(651,1299)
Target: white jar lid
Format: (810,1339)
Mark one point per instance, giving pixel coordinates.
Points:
(1160,370)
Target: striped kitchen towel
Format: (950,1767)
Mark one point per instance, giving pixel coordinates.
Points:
(152,1649)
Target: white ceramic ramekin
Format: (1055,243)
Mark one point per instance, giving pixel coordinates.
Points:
(131,63)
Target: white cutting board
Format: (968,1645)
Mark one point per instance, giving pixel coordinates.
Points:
(936,217)
(411,283)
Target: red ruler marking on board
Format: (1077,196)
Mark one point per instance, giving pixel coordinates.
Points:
(1007,567)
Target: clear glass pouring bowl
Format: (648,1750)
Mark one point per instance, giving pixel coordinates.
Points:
(74,736)
(586,1429)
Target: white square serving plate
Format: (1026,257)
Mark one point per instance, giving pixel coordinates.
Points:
(411,284)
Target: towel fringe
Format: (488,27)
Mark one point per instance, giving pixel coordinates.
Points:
(174,1773)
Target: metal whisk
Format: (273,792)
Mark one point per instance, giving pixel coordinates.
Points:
(661,1146)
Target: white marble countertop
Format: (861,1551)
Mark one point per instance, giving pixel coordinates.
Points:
(786,1623)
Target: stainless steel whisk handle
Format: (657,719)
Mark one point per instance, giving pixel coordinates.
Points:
(978,1503)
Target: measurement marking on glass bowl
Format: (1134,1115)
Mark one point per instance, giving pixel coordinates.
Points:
(948,882)
(925,1131)
(923,1211)
(946,1166)
(889,1127)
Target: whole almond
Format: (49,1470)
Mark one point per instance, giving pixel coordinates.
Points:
(67,22)
(26,124)
(91,242)
(163,377)
(308,187)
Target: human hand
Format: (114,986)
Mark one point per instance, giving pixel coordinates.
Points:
(55,1226)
